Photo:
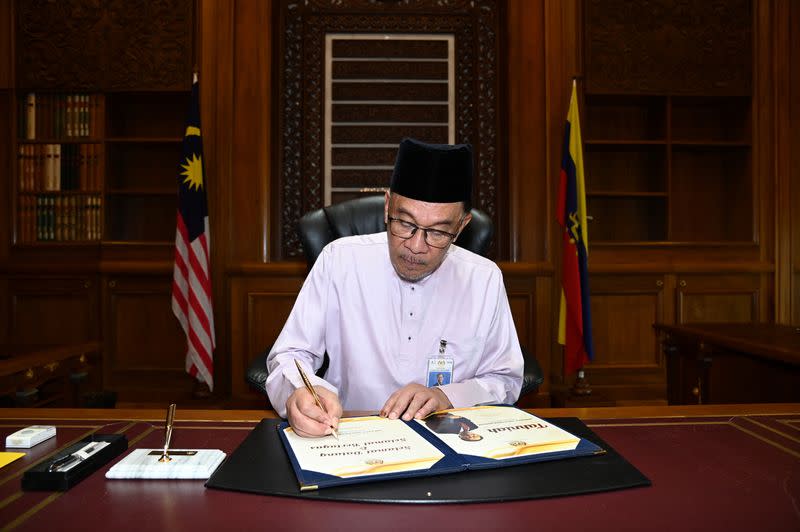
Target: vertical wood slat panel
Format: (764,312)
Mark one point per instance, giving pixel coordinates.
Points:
(397,105)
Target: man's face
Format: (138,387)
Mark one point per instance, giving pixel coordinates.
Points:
(413,259)
(440,378)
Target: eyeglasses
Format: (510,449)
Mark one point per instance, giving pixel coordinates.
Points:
(433,237)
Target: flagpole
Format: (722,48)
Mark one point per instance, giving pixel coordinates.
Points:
(581,387)
(572,203)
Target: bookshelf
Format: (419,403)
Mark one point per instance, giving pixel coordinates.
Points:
(143,150)
(99,167)
(668,168)
(91,238)
(58,167)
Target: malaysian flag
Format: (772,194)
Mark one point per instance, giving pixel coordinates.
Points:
(191,285)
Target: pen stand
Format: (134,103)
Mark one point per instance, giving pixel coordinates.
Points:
(40,478)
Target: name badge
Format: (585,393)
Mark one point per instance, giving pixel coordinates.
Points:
(440,371)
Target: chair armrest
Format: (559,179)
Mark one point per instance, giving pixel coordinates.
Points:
(532,376)
(256,375)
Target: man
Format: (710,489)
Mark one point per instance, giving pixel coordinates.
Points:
(387,320)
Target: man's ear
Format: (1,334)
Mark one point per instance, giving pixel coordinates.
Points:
(464,223)
(386,207)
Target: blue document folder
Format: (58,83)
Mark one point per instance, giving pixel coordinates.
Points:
(373,448)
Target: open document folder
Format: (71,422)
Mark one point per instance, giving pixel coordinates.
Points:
(376,448)
(183,464)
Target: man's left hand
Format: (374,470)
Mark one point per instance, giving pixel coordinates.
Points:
(415,401)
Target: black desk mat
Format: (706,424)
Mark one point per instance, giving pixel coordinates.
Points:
(260,465)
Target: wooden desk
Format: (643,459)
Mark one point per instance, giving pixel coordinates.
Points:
(46,376)
(724,467)
(731,363)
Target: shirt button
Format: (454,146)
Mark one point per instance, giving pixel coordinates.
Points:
(409,338)
(410,313)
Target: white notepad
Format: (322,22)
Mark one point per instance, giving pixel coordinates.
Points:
(141,464)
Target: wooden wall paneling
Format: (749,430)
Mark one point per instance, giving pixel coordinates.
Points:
(252,115)
(794,163)
(542,346)
(527,133)
(521,289)
(6,44)
(529,286)
(7,155)
(628,361)
(145,347)
(765,114)
(47,311)
(562,63)
(217,72)
(123,50)
(785,114)
(4,308)
(718,298)
(259,306)
(7,125)
(699,48)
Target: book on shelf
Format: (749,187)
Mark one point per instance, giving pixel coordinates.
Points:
(374,448)
(59,218)
(56,116)
(59,167)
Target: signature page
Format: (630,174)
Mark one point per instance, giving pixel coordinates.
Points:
(366,446)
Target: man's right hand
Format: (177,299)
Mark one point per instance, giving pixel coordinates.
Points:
(309,420)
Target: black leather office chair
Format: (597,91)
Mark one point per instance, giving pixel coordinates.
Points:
(364,216)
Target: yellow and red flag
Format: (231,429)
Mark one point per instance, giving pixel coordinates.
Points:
(574,320)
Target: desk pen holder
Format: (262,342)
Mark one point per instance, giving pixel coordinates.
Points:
(40,478)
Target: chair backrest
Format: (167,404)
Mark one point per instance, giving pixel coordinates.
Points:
(361,216)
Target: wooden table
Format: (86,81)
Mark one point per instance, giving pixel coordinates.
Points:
(726,467)
(731,363)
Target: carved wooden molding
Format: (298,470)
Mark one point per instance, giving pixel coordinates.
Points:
(108,45)
(299,156)
(669,47)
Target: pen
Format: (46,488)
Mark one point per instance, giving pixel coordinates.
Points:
(168,433)
(63,462)
(313,393)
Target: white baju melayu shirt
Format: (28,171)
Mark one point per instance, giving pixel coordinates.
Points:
(380,331)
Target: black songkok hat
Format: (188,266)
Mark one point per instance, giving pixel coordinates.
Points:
(435,173)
